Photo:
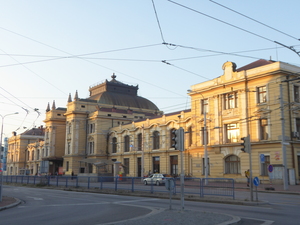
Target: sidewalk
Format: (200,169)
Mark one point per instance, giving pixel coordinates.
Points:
(278,188)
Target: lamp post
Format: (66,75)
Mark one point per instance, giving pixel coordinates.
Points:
(1,134)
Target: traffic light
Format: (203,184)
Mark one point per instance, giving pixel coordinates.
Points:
(245,144)
(173,138)
(179,139)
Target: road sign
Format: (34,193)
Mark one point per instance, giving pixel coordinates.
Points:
(270,168)
(170,184)
(262,158)
(256,181)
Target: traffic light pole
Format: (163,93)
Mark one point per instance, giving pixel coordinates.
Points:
(250,165)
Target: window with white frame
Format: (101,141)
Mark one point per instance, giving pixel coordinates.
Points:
(91,147)
(126,143)
(232,132)
(126,166)
(262,94)
(204,106)
(230,100)
(69,148)
(140,142)
(155,140)
(263,129)
(232,165)
(91,128)
(264,166)
(114,145)
(190,137)
(296,93)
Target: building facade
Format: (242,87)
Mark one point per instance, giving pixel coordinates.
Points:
(260,101)
(79,132)
(241,102)
(20,152)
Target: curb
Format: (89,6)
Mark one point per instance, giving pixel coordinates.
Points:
(17,202)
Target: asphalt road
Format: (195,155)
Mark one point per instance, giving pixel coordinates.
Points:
(47,206)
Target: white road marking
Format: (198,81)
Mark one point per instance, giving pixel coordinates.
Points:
(35,198)
(265,222)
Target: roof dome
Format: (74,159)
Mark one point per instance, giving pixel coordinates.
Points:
(116,93)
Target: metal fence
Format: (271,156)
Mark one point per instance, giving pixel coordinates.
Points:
(193,186)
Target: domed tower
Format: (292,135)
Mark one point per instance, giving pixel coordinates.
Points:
(111,103)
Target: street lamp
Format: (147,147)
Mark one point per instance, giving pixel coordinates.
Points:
(204,137)
(1,134)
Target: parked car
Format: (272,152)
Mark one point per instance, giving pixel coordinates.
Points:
(156,178)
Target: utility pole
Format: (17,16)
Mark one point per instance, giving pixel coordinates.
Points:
(205,148)
(142,169)
(283,144)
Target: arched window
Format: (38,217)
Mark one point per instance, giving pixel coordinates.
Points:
(172,138)
(190,136)
(139,142)
(232,165)
(126,143)
(114,145)
(155,140)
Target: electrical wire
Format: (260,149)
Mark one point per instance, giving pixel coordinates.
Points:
(255,20)
(158,23)
(219,20)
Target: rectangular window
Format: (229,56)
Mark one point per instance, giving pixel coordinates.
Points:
(262,94)
(67,166)
(298,125)
(91,128)
(263,123)
(156,164)
(204,106)
(69,148)
(230,100)
(91,147)
(174,165)
(126,166)
(264,166)
(232,132)
(114,145)
(296,94)
(298,165)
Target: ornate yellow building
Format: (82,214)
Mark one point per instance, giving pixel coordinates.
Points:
(241,102)
(260,100)
(24,152)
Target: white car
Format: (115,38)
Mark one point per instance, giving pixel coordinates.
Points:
(156,179)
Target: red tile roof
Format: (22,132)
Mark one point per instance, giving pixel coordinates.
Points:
(258,63)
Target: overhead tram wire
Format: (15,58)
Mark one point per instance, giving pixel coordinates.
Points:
(26,110)
(34,73)
(229,24)
(213,55)
(158,23)
(164,61)
(207,50)
(255,20)
(159,26)
(80,56)
(219,20)
(87,61)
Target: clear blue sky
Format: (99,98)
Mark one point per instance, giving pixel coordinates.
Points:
(49,49)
